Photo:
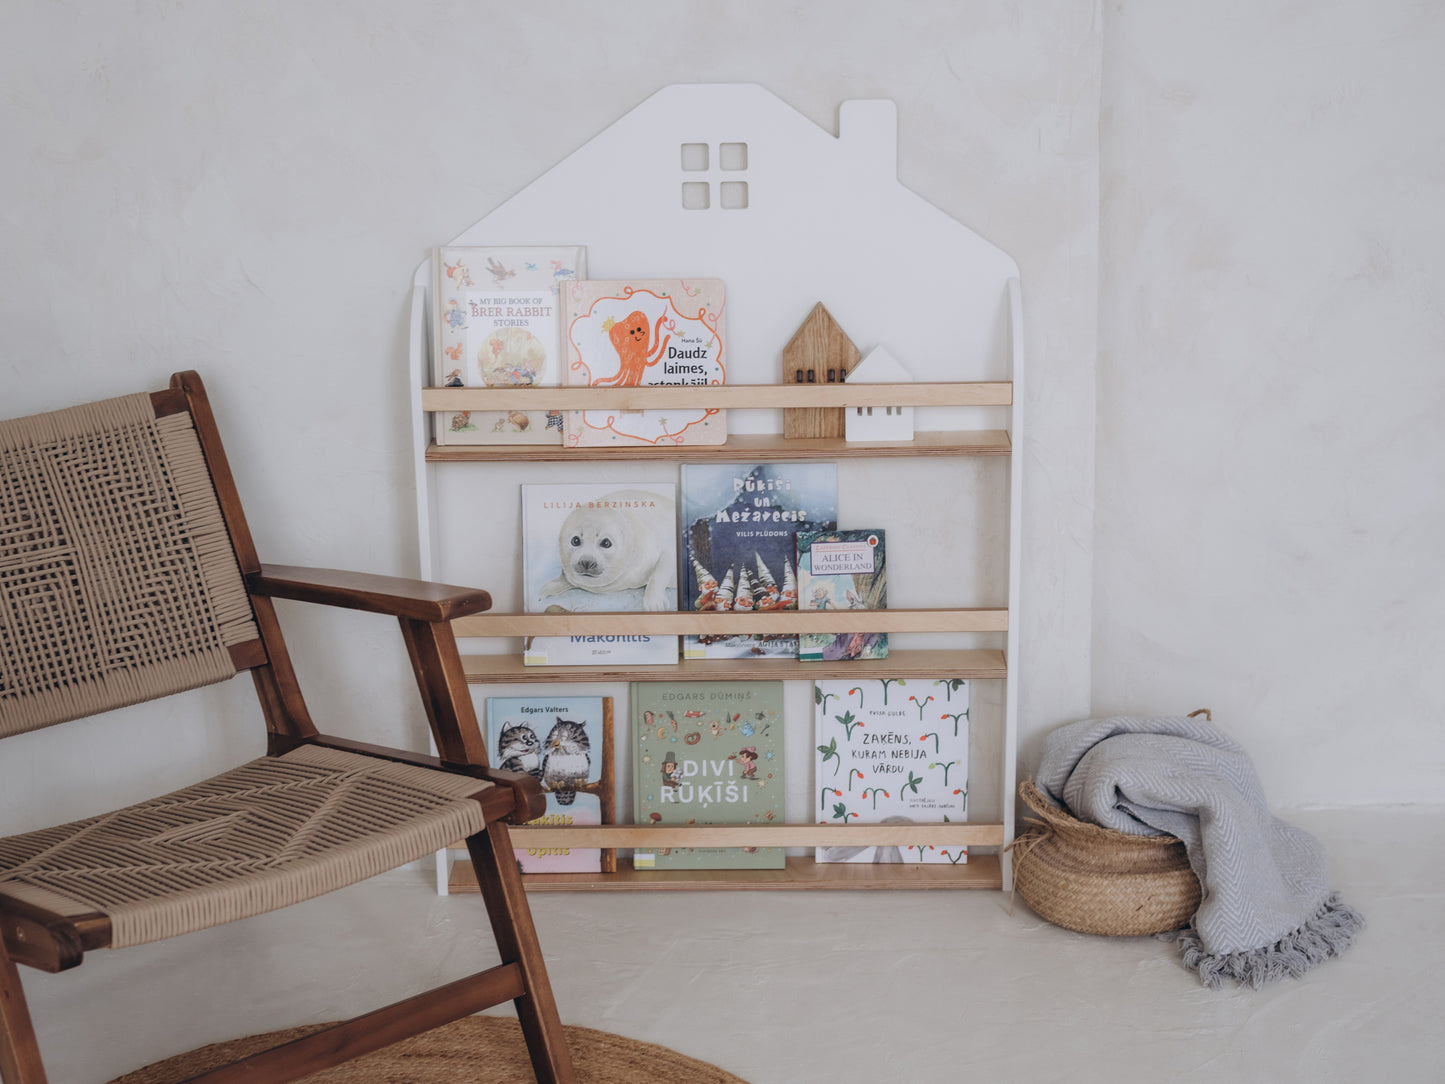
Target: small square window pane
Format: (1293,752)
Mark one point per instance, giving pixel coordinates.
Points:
(733,195)
(694,156)
(732,155)
(695,195)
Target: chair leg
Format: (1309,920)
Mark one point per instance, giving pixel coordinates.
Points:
(506,900)
(19,1052)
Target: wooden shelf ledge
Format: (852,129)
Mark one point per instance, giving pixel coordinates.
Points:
(759,835)
(720,396)
(752,447)
(672,622)
(801,874)
(972,664)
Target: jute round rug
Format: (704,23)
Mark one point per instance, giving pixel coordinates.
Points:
(477,1049)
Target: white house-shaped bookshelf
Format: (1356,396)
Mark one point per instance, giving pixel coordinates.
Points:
(729,181)
(885,422)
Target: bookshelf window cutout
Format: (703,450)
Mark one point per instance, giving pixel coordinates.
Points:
(694,157)
(695,195)
(733,195)
(732,156)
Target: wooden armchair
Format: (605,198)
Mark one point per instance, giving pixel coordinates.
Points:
(127,573)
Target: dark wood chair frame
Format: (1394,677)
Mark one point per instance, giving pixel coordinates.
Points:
(53,943)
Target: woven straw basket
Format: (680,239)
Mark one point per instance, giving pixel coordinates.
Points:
(1095,880)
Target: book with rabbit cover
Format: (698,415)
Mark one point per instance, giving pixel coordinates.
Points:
(842,570)
(643,332)
(498,321)
(740,523)
(891,751)
(707,753)
(566,743)
(598,546)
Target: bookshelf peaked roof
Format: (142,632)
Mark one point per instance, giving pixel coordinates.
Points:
(794,215)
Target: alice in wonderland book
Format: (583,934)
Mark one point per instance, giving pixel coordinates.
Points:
(707,753)
(590,547)
(565,742)
(643,332)
(740,523)
(891,751)
(498,323)
(842,570)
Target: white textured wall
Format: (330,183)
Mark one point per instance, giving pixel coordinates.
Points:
(1271,466)
(246,189)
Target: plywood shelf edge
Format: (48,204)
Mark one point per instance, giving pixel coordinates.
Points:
(720,396)
(759,835)
(974,664)
(673,622)
(761,447)
(801,874)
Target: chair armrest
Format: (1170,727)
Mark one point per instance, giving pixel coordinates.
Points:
(416,599)
(425,612)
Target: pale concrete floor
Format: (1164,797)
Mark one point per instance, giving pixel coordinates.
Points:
(792,987)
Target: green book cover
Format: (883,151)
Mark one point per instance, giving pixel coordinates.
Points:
(842,570)
(707,752)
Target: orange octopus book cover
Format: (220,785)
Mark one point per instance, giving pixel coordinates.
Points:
(637,333)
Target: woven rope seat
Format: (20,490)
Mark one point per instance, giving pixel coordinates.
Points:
(1093,879)
(264,835)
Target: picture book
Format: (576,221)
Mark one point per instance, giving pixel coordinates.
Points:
(597,547)
(498,321)
(566,743)
(740,523)
(891,751)
(707,753)
(643,332)
(842,570)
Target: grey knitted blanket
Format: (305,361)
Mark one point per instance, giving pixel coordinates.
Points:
(1267,910)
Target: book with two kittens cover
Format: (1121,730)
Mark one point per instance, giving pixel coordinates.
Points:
(565,742)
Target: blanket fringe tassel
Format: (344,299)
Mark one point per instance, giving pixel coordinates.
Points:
(1328,934)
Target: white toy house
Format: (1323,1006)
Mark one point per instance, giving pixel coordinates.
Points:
(879,422)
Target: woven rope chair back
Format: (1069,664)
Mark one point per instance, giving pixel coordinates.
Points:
(118,581)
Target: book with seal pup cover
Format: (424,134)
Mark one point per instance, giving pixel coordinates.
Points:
(599,546)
